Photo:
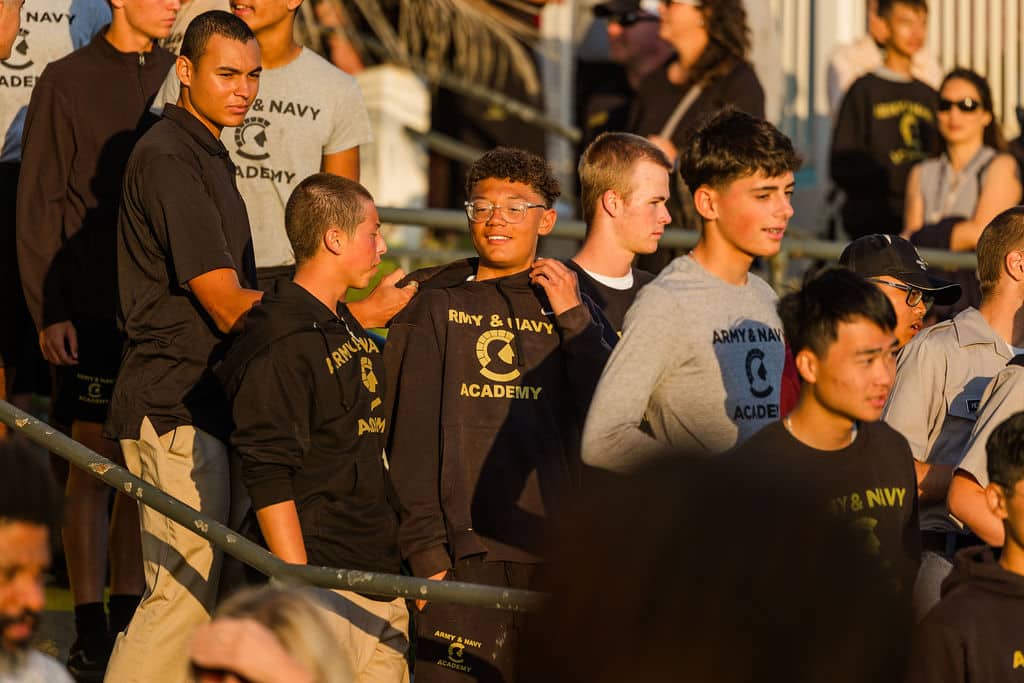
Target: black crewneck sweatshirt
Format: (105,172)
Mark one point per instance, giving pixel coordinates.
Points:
(86,113)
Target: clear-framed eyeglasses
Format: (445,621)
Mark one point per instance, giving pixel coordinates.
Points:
(914,295)
(481,211)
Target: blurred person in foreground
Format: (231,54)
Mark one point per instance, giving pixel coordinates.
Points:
(30,511)
(700,572)
(268,635)
(894,266)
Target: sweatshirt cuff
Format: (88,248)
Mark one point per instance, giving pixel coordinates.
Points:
(428,562)
(271,492)
(574,321)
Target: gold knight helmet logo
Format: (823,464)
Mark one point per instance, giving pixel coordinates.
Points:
(502,340)
(368,376)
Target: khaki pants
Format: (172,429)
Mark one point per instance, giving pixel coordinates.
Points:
(182,569)
(373,635)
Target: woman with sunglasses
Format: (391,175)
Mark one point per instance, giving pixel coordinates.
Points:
(951,198)
(708,71)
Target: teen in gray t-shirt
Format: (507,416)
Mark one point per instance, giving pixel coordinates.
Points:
(698,368)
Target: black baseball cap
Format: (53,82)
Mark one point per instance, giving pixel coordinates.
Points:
(875,255)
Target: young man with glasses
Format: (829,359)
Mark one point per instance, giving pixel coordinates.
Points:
(894,265)
(490,370)
(885,125)
(940,380)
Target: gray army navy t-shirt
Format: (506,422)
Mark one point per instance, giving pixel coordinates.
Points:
(698,368)
(50,29)
(305,110)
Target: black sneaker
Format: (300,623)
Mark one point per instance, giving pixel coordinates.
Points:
(87,659)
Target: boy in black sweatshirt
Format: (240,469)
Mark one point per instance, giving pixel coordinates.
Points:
(307,383)
(490,373)
(975,632)
(886,124)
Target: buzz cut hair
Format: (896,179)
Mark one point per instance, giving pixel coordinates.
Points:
(606,163)
(213,23)
(321,202)
(731,145)
(517,166)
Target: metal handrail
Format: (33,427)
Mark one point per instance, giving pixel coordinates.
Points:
(371,583)
(792,247)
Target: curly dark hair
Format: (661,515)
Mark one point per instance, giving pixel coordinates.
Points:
(517,166)
(728,40)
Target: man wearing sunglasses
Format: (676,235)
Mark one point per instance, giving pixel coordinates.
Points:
(894,265)
(634,50)
(940,380)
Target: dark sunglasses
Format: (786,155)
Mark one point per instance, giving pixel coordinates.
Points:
(966,105)
(627,19)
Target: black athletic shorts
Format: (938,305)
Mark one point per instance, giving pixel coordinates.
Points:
(84,390)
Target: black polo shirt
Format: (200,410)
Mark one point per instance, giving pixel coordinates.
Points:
(181,216)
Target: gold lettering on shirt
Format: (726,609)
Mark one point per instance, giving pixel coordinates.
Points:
(373,425)
(344,353)
(896,109)
(512,392)
(1018,659)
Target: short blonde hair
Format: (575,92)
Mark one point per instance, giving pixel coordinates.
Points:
(293,616)
(1004,234)
(606,163)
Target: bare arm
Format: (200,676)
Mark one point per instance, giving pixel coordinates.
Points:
(280,526)
(913,212)
(344,163)
(1000,191)
(223,297)
(968,504)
